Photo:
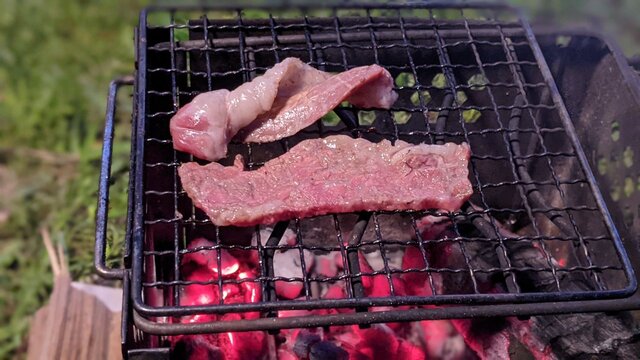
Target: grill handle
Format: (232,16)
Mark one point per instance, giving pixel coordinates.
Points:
(102,213)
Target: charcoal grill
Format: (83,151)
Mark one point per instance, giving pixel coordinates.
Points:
(527,165)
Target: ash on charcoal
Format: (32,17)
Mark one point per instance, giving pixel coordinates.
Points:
(442,341)
(448,255)
(568,336)
(394,229)
(589,336)
(321,231)
(196,347)
(394,259)
(289,263)
(326,350)
(304,341)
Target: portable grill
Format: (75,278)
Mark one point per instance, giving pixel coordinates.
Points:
(469,72)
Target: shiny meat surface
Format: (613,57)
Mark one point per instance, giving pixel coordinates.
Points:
(365,87)
(284,100)
(336,174)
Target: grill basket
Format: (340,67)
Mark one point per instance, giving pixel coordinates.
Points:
(465,73)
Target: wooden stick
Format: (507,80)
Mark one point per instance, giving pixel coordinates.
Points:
(53,258)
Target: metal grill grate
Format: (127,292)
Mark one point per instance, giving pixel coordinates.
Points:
(464,73)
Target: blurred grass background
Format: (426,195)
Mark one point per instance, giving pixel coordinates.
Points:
(56,59)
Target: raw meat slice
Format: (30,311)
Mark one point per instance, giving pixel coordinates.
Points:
(365,86)
(332,175)
(287,98)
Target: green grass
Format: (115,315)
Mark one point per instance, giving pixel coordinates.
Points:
(56,59)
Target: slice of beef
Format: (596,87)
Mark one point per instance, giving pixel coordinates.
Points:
(284,100)
(365,87)
(336,174)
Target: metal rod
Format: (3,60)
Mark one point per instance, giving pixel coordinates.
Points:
(443,115)
(353,257)
(450,312)
(269,251)
(532,191)
(443,56)
(519,77)
(385,35)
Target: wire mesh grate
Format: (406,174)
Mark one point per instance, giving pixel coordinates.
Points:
(534,230)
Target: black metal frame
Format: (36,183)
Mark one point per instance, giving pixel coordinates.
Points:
(102,212)
(514,303)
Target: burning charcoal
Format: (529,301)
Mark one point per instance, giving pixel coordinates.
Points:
(380,287)
(442,254)
(225,346)
(251,292)
(250,288)
(443,341)
(286,354)
(288,238)
(303,343)
(196,347)
(326,350)
(573,336)
(335,291)
(521,254)
(526,255)
(380,343)
(394,228)
(292,313)
(448,255)
(409,351)
(230,291)
(488,338)
(326,266)
(416,281)
(320,231)
(529,254)
(196,294)
(377,285)
(299,341)
(365,268)
(367,343)
(522,331)
(209,258)
(288,268)
(287,263)
(337,257)
(242,345)
(431,227)
(587,336)
(376,261)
